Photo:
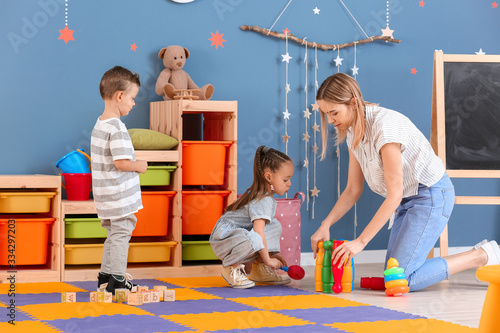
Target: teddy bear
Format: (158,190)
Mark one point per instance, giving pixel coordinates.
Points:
(174,77)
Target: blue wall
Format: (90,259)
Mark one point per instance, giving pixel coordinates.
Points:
(50,98)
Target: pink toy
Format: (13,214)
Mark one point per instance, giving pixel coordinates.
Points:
(295,272)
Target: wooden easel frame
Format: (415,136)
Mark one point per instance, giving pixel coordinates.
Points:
(438,134)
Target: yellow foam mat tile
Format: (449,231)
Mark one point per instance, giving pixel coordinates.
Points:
(235,320)
(197,282)
(185,294)
(404,326)
(53,311)
(40,288)
(296,302)
(27,326)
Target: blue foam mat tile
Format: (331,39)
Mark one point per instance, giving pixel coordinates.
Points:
(27,299)
(193,307)
(18,315)
(117,323)
(257,291)
(290,329)
(348,314)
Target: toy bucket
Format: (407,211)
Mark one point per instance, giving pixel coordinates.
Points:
(77,185)
(74,162)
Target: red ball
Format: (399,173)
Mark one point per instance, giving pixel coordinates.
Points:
(296,272)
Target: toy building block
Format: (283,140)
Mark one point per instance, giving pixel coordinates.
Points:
(100,296)
(141,289)
(134,299)
(169,295)
(155,296)
(108,297)
(93,296)
(326,271)
(161,290)
(318,283)
(121,295)
(68,297)
(396,283)
(146,297)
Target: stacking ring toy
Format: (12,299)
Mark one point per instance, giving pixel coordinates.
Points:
(397,291)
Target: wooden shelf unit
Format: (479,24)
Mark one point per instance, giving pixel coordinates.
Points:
(50,272)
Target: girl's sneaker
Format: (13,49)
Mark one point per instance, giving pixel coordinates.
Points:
(236,277)
(262,273)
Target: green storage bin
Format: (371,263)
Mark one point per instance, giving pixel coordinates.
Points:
(157,175)
(84,227)
(197,250)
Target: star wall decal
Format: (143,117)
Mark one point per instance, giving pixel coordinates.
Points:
(422,3)
(217,40)
(338,60)
(480,52)
(306,137)
(285,137)
(414,71)
(286,57)
(133,47)
(307,114)
(286,114)
(387,32)
(494,5)
(314,192)
(66,34)
(355,70)
(316,10)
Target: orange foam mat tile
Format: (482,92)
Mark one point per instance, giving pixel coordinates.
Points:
(27,326)
(197,282)
(404,326)
(235,320)
(296,302)
(53,311)
(39,288)
(185,294)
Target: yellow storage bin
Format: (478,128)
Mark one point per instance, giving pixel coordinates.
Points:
(25,202)
(88,254)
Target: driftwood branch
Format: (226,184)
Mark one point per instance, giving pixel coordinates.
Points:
(320,46)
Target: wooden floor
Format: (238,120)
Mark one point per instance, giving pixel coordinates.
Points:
(458,300)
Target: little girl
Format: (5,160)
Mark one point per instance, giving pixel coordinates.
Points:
(248,230)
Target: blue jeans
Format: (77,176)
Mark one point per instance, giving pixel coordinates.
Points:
(419,221)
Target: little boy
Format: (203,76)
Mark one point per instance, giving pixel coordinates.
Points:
(115,178)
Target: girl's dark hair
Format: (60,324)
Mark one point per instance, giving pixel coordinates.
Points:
(117,79)
(265,158)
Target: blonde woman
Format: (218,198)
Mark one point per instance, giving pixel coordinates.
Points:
(388,151)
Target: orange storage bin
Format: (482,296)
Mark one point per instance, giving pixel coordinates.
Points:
(203,162)
(152,220)
(201,210)
(28,241)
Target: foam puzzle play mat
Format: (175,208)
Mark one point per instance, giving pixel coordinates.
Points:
(201,304)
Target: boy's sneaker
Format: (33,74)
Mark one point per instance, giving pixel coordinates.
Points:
(120,282)
(264,274)
(102,281)
(236,277)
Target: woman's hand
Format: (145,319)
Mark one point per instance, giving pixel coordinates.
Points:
(321,235)
(345,252)
(280,258)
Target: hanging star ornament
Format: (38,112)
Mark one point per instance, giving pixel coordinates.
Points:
(316,10)
(387,32)
(217,40)
(355,70)
(286,114)
(315,148)
(286,57)
(306,163)
(66,34)
(338,60)
(286,31)
(480,52)
(314,192)
(414,71)
(287,88)
(307,114)
(315,106)
(285,137)
(316,127)
(306,137)
(133,47)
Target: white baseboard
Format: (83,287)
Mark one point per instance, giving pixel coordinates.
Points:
(373,256)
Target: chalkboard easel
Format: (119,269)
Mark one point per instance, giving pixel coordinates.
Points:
(465,123)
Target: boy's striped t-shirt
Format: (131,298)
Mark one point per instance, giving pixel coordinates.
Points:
(420,164)
(116,193)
